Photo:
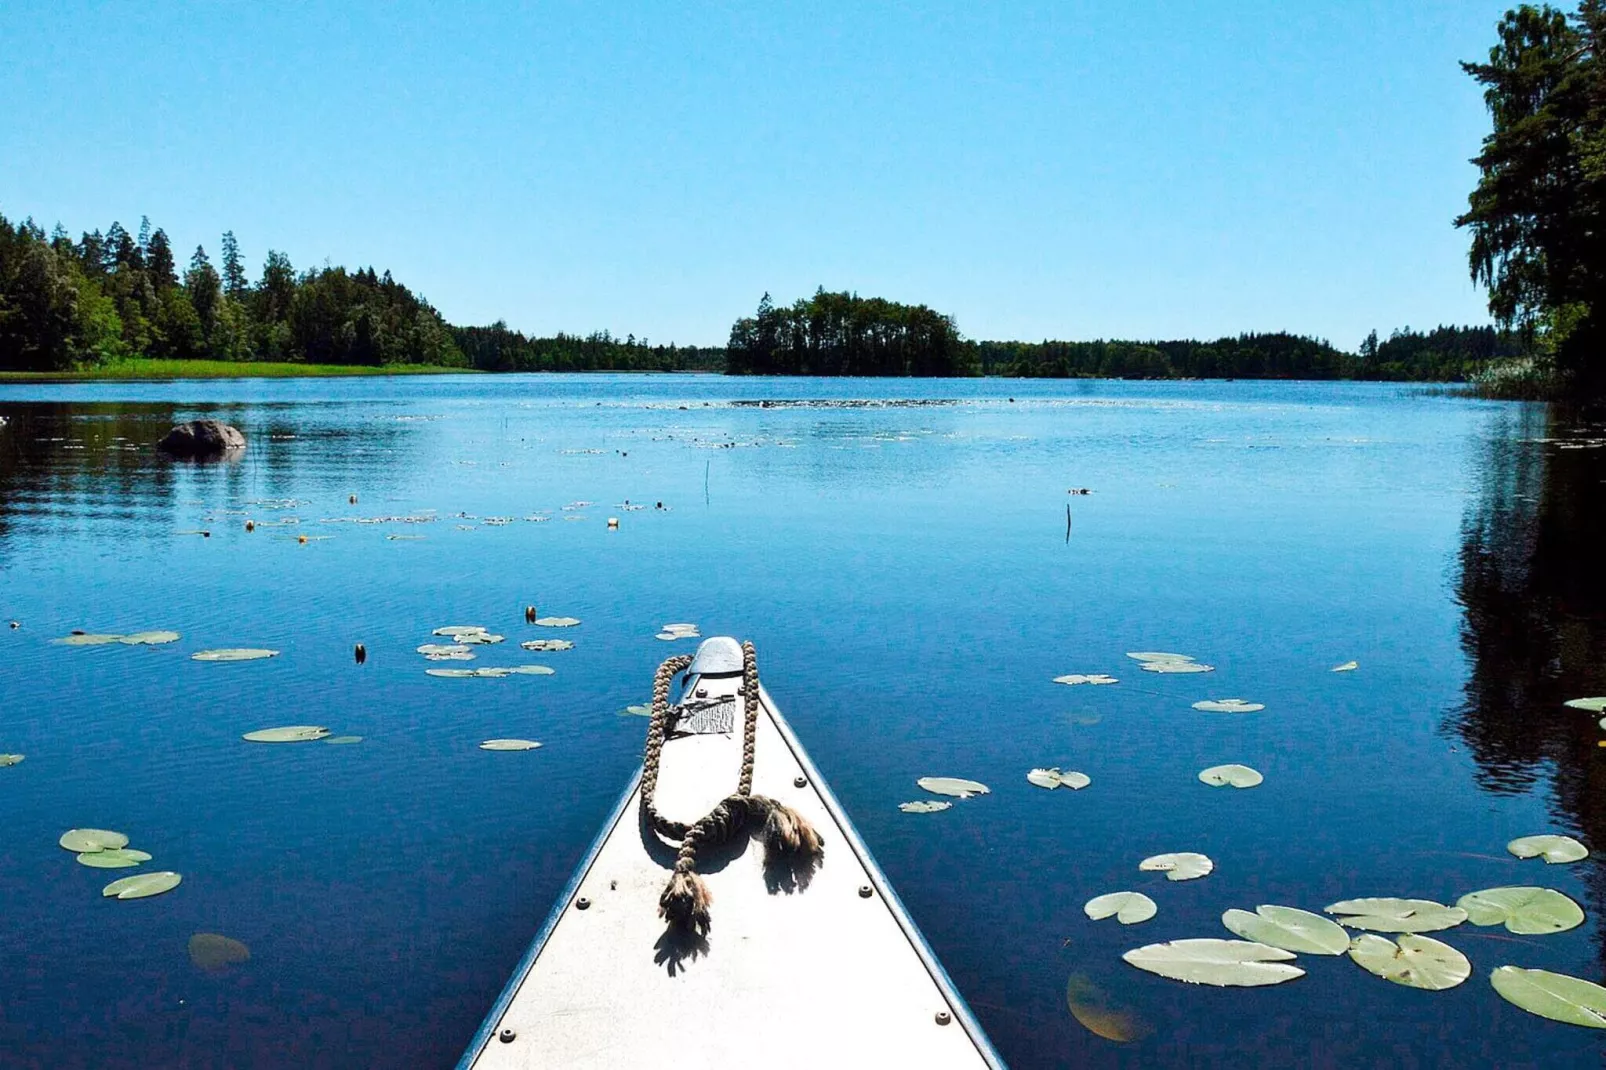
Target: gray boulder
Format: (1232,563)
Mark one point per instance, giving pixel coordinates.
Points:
(202,438)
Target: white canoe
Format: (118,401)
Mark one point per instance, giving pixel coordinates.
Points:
(832,974)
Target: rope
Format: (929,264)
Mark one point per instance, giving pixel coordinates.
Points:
(685,900)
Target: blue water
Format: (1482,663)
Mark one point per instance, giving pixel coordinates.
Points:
(898,551)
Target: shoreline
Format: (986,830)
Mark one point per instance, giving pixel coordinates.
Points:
(130,370)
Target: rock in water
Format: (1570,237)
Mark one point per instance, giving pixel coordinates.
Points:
(202,438)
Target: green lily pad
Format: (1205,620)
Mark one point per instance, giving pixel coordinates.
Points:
(1054,778)
(1288,928)
(342,741)
(116,858)
(213,953)
(1412,960)
(1223,963)
(1152,655)
(452,674)
(1530,911)
(293,733)
(149,638)
(509,744)
(1176,667)
(1593,705)
(88,639)
(1238,776)
(925,806)
(1390,915)
(1348,666)
(1550,848)
(1229,705)
(1086,678)
(143,885)
(1128,908)
(1552,995)
(1178,866)
(456,630)
(532,670)
(452,651)
(234,654)
(956,786)
(479,639)
(10,759)
(637,711)
(81,841)
(557,622)
(544,645)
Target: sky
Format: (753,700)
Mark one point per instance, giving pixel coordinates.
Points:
(1071,169)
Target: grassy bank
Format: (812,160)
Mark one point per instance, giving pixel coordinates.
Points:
(219,369)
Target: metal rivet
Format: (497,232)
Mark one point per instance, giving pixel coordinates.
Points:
(506,1036)
(582,903)
(865,891)
(943,1017)
(800,782)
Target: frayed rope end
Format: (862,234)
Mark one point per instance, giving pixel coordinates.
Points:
(684,903)
(787,832)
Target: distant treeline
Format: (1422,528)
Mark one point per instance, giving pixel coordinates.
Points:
(845,334)
(498,349)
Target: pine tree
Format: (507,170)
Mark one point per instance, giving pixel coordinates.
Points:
(159,263)
(234,280)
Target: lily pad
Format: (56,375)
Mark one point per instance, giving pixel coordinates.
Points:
(480,638)
(455,651)
(1102,1015)
(532,670)
(293,733)
(143,885)
(1086,678)
(458,630)
(149,638)
(637,711)
(10,759)
(1348,666)
(1550,848)
(116,858)
(1179,866)
(1529,911)
(544,645)
(1238,776)
(1288,928)
(1416,961)
(557,622)
(1224,963)
(1593,705)
(342,741)
(1552,995)
(81,841)
(1152,655)
(1390,915)
(1128,908)
(956,786)
(1176,666)
(509,744)
(1229,705)
(88,639)
(925,806)
(212,952)
(234,654)
(452,674)
(1054,778)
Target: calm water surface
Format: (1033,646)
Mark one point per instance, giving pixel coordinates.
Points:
(898,551)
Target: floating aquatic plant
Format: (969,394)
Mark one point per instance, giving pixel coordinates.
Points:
(637,711)
(294,733)
(343,740)
(956,786)
(143,885)
(234,654)
(1100,1014)
(1389,915)
(546,645)
(1348,666)
(1593,705)
(1178,866)
(1176,667)
(1054,778)
(1529,911)
(1223,963)
(88,639)
(82,841)
(479,638)
(149,638)
(457,630)
(1288,928)
(556,622)
(509,744)
(1229,705)
(10,759)
(1157,656)
(1237,776)
(1552,995)
(113,858)
(1416,961)
(1550,848)
(1085,678)
(1128,908)
(925,806)
(453,651)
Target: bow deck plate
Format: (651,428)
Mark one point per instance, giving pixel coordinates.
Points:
(825,971)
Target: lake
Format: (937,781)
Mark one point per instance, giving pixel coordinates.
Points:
(901,554)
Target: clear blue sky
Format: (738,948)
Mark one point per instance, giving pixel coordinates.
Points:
(1038,169)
